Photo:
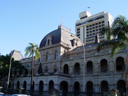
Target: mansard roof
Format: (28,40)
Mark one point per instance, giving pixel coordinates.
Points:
(56,34)
(62,34)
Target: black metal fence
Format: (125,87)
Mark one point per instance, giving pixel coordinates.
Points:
(55,93)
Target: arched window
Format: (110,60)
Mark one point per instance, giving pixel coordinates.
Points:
(56,55)
(55,68)
(103,65)
(51,85)
(15,72)
(47,57)
(89,67)
(48,41)
(40,69)
(104,86)
(65,69)
(77,69)
(46,69)
(21,72)
(119,63)
(26,72)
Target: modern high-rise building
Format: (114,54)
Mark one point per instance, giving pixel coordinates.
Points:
(89,25)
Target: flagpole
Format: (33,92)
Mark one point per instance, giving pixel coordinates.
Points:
(89,9)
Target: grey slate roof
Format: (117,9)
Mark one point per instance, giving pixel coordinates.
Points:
(56,37)
(62,34)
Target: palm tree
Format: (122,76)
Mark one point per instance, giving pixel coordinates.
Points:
(33,51)
(119,32)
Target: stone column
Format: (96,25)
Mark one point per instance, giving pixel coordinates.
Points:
(70,88)
(14,86)
(46,87)
(28,86)
(56,86)
(36,87)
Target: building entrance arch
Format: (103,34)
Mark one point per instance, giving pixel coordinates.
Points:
(64,88)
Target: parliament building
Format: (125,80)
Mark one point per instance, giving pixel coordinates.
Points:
(71,63)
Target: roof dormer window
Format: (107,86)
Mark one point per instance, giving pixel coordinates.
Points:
(48,40)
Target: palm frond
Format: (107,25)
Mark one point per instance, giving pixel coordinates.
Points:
(106,44)
(37,54)
(28,50)
(31,44)
(116,47)
(120,27)
(32,50)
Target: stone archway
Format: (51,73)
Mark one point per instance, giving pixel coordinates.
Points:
(51,85)
(89,87)
(18,85)
(121,86)
(25,85)
(64,88)
(41,86)
(10,85)
(104,86)
(76,88)
(65,70)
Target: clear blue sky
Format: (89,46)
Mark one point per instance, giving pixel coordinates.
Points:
(25,21)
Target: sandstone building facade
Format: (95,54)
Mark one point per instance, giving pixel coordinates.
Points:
(69,65)
(61,66)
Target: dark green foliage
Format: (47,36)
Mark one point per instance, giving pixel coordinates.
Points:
(32,50)
(119,32)
(4,65)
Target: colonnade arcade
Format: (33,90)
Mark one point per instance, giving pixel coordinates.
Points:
(64,86)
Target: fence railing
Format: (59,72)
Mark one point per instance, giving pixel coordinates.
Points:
(56,93)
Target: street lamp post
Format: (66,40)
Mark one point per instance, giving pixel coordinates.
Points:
(9,72)
(83,67)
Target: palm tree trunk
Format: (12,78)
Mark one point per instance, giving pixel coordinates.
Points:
(127,80)
(32,69)
(126,59)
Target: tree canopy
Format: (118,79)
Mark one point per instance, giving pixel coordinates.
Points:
(33,51)
(4,65)
(119,32)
